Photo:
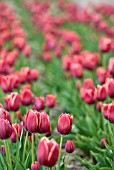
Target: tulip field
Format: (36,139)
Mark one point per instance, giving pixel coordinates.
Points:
(56,85)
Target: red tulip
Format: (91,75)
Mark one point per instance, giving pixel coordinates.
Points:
(99,106)
(101,75)
(16,132)
(7,83)
(105,44)
(111,66)
(64,125)
(48,152)
(50,100)
(35,166)
(44,125)
(69,146)
(105,111)
(26,96)
(39,103)
(88,84)
(77,70)
(88,95)
(12,102)
(2,148)
(4,115)
(101,93)
(31,121)
(104,141)
(111,112)
(66,63)
(5,129)
(110,87)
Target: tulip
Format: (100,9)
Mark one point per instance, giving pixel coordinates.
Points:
(12,102)
(50,100)
(31,121)
(40,121)
(88,95)
(105,111)
(39,103)
(111,66)
(16,132)
(48,152)
(66,63)
(111,112)
(26,97)
(2,148)
(110,87)
(6,83)
(69,146)
(101,93)
(44,124)
(99,106)
(27,51)
(88,84)
(5,115)
(77,70)
(101,75)
(105,44)
(104,141)
(5,129)
(64,125)
(35,166)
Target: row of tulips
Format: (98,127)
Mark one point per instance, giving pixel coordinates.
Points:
(25,131)
(75,63)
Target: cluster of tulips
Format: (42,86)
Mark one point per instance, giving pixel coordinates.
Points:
(76,62)
(13,43)
(26,120)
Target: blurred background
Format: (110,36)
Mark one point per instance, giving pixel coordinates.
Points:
(87,2)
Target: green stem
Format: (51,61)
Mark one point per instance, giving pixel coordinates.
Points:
(33,147)
(60,152)
(8,154)
(67,161)
(25,144)
(110,132)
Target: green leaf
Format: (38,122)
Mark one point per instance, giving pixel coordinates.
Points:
(20,165)
(87,164)
(28,159)
(3,162)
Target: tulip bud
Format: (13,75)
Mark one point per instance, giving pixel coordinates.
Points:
(77,70)
(6,83)
(101,75)
(88,95)
(69,146)
(110,87)
(66,63)
(88,84)
(105,44)
(39,103)
(104,142)
(101,93)
(27,51)
(111,112)
(111,66)
(26,97)
(99,106)
(31,121)
(105,111)
(50,100)
(5,129)
(48,152)
(5,115)
(78,85)
(44,123)
(12,102)
(64,125)
(16,132)
(35,166)
(2,148)
(19,116)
